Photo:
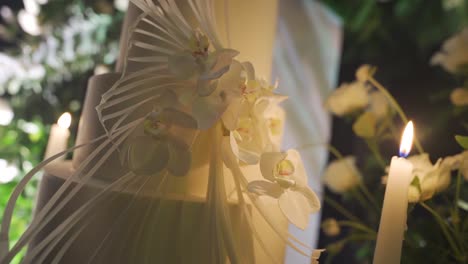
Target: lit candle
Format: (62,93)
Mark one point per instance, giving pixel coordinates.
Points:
(393,219)
(58,138)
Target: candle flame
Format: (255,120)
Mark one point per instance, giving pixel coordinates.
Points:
(407,140)
(65,120)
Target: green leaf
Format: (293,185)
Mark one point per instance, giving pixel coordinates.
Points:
(365,125)
(416,183)
(463,205)
(462,141)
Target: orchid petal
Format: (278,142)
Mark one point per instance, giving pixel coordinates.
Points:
(167,99)
(265,188)
(207,110)
(249,157)
(206,87)
(249,70)
(311,196)
(221,61)
(179,118)
(180,160)
(147,156)
(231,115)
(268,162)
(300,175)
(183,65)
(261,105)
(229,83)
(295,207)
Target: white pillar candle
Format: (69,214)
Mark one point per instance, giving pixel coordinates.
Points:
(393,219)
(58,138)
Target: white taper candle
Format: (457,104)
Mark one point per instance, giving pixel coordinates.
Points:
(394,211)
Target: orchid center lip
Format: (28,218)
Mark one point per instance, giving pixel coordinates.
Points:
(284,169)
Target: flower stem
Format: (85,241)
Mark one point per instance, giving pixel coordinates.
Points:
(359,196)
(358,226)
(340,209)
(397,107)
(369,196)
(335,152)
(456,212)
(374,148)
(443,226)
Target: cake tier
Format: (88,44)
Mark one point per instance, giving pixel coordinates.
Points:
(172,233)
(124,227)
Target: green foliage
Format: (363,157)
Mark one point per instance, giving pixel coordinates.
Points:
(462,141)
(398,27)
(46,75)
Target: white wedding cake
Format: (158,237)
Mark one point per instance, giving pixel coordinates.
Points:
(177,157)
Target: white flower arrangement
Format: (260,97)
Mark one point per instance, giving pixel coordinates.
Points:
(372,111)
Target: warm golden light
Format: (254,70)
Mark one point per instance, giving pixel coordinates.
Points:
(407,140)
(65,120)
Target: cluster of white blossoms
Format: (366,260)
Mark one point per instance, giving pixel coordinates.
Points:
(358,97)
(458,162)
(429,179)
(454,55)
(342,175)
(216,89)
(255,123)
(454,59)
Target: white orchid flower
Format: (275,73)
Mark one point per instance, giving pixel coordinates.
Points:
(207,110)
(248,140)
(251,91)
(239,104)
(272,120)
(255,119)
(163,145)
(258,130)
(199,61)
(286,181)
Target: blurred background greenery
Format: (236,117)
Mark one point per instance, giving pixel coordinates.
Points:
(49,49)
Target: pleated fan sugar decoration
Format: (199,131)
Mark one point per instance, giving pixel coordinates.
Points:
(185,118)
